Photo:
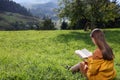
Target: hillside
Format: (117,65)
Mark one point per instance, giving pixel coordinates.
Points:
(13,21)
(13,16)
(11,6)
(47,55)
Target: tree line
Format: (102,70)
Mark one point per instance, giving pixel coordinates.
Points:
(75,14)
(33,24)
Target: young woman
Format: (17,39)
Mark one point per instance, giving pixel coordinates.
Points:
(100,66)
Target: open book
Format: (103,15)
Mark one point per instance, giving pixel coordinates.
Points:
(84,53)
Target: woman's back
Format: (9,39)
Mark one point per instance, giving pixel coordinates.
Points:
(100,69)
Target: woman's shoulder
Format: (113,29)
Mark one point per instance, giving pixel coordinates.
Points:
(97,54)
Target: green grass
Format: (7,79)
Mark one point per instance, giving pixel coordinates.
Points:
(45,55)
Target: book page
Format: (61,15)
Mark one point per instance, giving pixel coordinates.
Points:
(84,53)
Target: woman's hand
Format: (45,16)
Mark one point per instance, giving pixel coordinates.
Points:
(85,67)
(85,64)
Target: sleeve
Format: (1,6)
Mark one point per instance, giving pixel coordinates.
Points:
(93,67)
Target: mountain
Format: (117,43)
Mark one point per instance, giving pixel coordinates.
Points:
(43,9)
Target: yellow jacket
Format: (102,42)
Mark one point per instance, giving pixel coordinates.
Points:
(100,69)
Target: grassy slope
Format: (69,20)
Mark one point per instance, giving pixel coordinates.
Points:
(8,18)
(45,55)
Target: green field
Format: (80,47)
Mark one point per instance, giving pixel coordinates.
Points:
(45,55)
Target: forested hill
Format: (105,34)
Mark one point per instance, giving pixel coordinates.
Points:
(11,6)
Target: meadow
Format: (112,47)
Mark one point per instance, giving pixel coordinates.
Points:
(46,55)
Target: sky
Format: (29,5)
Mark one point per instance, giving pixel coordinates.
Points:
(37,1)
(32,1)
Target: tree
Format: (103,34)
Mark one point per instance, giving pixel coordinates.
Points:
(64,25)
(72,9)
(92,11)
(101,11)
(47,24)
